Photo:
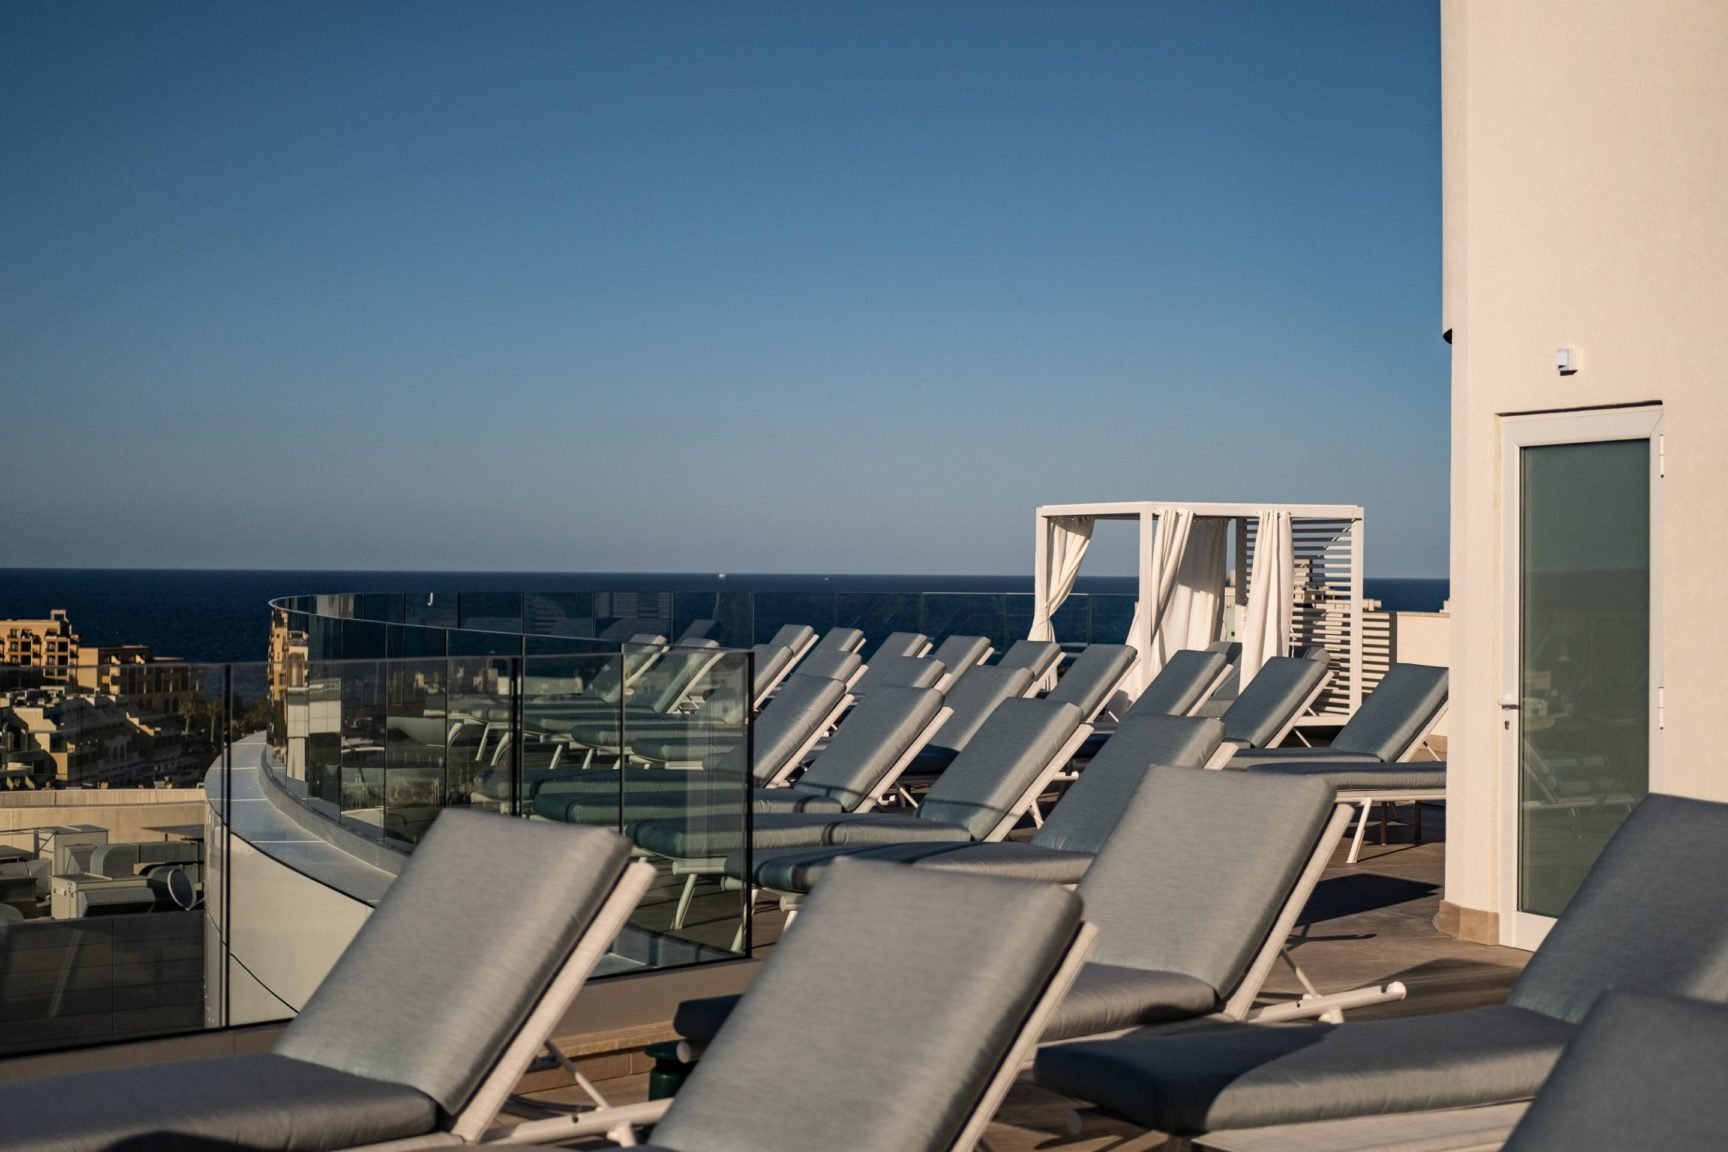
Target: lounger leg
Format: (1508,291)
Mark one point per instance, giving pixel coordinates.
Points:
(1416,819)
(684,901)
(1361,831)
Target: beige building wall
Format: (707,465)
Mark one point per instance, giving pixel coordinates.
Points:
(1586,204)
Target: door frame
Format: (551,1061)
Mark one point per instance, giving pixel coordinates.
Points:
(1520,929)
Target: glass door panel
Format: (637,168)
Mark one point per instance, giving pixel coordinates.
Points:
(1584,657)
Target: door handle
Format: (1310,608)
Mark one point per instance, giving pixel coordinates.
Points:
(1509,703)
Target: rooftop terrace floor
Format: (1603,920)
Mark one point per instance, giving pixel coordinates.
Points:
(1367,923)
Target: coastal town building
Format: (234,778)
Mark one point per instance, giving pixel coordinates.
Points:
(49,645)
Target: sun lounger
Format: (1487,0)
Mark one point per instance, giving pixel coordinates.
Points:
(1181,686)
(802,1065)
(845,667)
(1092,679)
(1062,848)
(1389,726)
(908,671)
(773,660)
(1225,694)
(422,1028)
(840,640)
(1265,711)
(787,729)
(1636,923)
(1036,656)
(856,768)
(972,701)
(959,655)
(981,796)
(1642,1072)
(913,644)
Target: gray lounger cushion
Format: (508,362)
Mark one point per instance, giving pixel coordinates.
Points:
(1403,704)
(1266,705)
(1180,684)
(768,660)
(835,665)
(798,869)
(1423,775)
(839,640)
(999,764)
(703,835)
(901,644)
(1082,820)
(973,699)
(1215,896)
(902,1057)
(912,671)
(1088,682)
(1036,656)
(1249,1076)
(790,719)
(1109,997)
(1651,915)
(792,637)
(1643,1072)
(253,1101)
(446,970)
(960,653)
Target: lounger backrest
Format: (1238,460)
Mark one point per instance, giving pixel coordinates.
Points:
(1179,888)
(674,674)
(1650,916)
(784,726)
(910,671)
(879,1021)
(1094,674)
(1399,709)
(876,734)
(840,640)
(445,972)
(999,764)
(835,665)
(768,659)
(638,650)
(793,636)
(1278,690)
(959,653)
(1180,684)
(1038,656)
(1083,820)
(1643,1072)
(974,698)
(901,644)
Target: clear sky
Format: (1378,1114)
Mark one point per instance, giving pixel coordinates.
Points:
(709,286)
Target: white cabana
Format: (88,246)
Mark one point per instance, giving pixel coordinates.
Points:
(1299,582)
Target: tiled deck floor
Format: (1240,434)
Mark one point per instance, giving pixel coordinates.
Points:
(1367,923)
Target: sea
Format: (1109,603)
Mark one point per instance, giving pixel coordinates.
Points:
(213,617)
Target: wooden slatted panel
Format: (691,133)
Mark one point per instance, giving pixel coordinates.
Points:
(1321,610)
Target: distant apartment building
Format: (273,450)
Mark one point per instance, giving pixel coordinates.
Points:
(147,682)
(49,645)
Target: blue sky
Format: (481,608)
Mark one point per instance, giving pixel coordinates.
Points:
(700,286)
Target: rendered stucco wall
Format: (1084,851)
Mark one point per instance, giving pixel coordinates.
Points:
(1586,204)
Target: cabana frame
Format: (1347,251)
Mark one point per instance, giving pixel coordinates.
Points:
(1326,605)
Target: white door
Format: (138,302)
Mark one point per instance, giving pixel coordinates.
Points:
(1580,681)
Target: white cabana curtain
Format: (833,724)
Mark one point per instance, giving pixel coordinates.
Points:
(1197,600)
(1271,587)
(1066,540)
(1169,542)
